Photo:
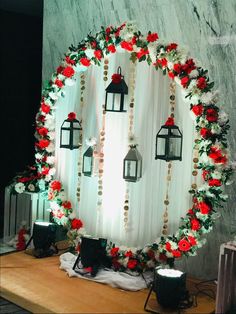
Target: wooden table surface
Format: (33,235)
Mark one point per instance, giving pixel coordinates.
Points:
(39,286)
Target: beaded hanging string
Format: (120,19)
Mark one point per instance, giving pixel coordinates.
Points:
(169,166)
(80,157)
(132,75)
(100,154)
(195,164)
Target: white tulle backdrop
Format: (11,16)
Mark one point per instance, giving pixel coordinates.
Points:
(146,196)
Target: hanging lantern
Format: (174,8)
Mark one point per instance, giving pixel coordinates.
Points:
(71,132)
(115,92)
(169,142)
(90,159)
(132,167)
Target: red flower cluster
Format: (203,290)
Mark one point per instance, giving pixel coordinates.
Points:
(217,156)
(142,52)
(171,47)
(126,45)
(69,61)
(42,131)
(184,245)
(162,62)
(114,251)
(197,109)
(55,185)
(204,208)
(214,182)
(98,54)
(67,205)
(76,223)
(205,133)
(85,61)
(151,37)
(184,81)
(195,224)
(68,71)
(211,115)
(59,83)
(45,108)
(71,116)
(116,78)
(201,82)
(111,48)
(43,143)
(132,263)
(170,121)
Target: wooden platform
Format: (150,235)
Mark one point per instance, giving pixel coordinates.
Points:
(39,286)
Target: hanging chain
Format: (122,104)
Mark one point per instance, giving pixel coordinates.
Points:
(80,157)
(195,163)
(102,140)
(132,75)
(165,230)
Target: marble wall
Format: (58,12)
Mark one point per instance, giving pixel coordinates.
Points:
(206,27)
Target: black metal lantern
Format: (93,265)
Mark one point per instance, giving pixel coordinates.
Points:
(132,167)
(169,141)
(71,132)
(115,92)
(88,162)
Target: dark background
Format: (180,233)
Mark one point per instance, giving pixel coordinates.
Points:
(21,29)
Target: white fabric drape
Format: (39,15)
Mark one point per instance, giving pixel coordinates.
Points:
(146,196)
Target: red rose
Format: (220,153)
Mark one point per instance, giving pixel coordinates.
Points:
(68,71)
(170,121)
(151,37)
(176,253)
(142,52)
(204,208)
(93,44)
(108,30)
(114,251)
(43,143)
(126,45)
(76,223)
(177,67)
(192,240)
(60,69)
(111,48)
(98,54)
(55,185)
(84,61)
(197,109)
(128,254)
(190,211)
(40,118)
(205,174)
(71,116)
(168,247)
(69,61)
(195,224)
(217,156)
(42,131)
(211,115)
(201,83)
(171,75)
(184,81)
(67,205)
(184,245)
(189,66)
(45,170)
(151,254)
(116,78)
(205,133)
(221,160)
(45,108)
(162,62)
(214,182)
(132,263)
(59,83)
(171,46)
(134,40)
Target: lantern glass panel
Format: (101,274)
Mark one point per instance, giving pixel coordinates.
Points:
(161,146)
(87,166)
(113,102)
(139,170)
(130,168)
(76,137)
(174,146)
(65,137)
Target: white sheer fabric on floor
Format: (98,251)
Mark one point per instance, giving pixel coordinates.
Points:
(146,196)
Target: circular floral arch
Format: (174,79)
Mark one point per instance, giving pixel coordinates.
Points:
(211,125)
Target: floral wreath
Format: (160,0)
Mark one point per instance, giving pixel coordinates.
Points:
(211,125)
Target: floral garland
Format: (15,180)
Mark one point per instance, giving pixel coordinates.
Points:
(210,122)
